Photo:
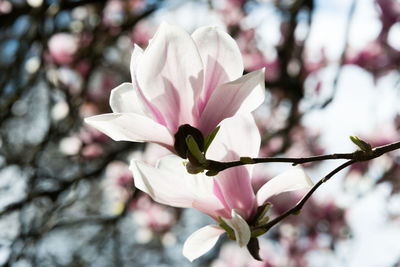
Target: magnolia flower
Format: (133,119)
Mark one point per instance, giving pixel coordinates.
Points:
(181,79)
(63,47)
(228,197)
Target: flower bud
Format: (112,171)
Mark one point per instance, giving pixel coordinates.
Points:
(183,132)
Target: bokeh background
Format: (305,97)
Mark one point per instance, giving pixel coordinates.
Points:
(66,195)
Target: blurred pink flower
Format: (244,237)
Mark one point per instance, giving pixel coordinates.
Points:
(371,57)
(181,79)
(142,32)
(5,7)
(229,195)
(92,151)
(152,215)
(63,47)
(390,13)
(118,183)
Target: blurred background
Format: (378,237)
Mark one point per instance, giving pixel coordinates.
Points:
(66,195)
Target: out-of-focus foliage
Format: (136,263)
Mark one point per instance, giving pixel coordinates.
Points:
(66,194)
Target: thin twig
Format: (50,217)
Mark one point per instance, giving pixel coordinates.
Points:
(296,209)
(357,156)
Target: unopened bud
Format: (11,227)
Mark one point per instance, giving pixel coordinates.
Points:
(183,132)
(192,169)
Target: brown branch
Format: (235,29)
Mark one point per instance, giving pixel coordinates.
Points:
(357,156)
(297,208)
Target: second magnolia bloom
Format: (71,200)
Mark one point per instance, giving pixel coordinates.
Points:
(228,196)
(181,79)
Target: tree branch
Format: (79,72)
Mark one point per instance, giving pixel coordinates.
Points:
(357,156)
(296,209)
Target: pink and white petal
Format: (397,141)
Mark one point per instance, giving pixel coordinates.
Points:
(170,75)
(255,99)
(231,136)
(221,58)
(234,183)
(227,99)
(201,241)
(125,98)
(290,180)
(236,189)
(161,185)
(241,228)
(199,185)
(148,108)
(132,127)
(211,206)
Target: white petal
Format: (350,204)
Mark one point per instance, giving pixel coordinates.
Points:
(132,127)
(135,59)
(239,134)
(241,228)
(199,185)
(255,98)
(201,241)
(221,58)
(125,98)
(163,186)
(230,98)
(170,183)
(293,179)
(148,109)
(170,75)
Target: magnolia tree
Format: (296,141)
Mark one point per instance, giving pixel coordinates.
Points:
(120,119)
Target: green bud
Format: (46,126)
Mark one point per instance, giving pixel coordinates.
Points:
(227,228)
(247,160)
(210,138)
(193,169)
(195,151)
(260,217)
(364,146)
(180,145)
(296,212)
(263,220)
(258,232)
(211,173)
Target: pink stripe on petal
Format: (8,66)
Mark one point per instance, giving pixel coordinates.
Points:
(218,193)
(236,190)
(228,99)
(212,207)
(135,59)
(221,58)
(170,75)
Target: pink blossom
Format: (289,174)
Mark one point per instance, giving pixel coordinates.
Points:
(63,47)
(228,196)
(142,32)
(390,13)
(152,215)
(181,79)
